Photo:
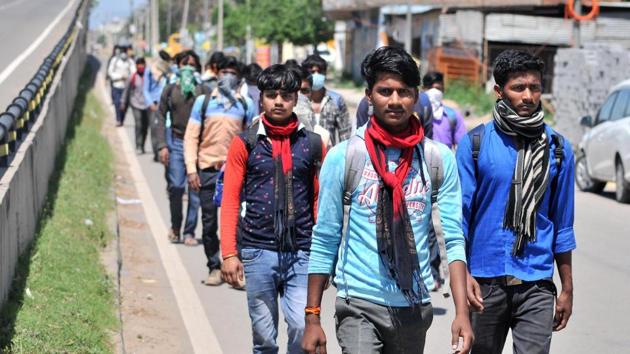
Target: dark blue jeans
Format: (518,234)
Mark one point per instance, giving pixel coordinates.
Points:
(117,98)
(209,217)
(270,274)
(177,182)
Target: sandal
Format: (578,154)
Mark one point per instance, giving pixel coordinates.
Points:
(190,240)
(172,237)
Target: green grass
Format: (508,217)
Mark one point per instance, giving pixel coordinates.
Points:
(62,300)
(470,97)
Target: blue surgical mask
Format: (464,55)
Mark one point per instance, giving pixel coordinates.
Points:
(318,81)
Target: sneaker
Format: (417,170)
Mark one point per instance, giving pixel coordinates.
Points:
(214,278)
(190,240)
(173,237)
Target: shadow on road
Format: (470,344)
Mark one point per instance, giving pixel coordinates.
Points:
(15,299)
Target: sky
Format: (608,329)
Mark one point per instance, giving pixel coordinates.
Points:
(109,9)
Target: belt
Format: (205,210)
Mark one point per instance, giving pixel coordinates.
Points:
(509,280)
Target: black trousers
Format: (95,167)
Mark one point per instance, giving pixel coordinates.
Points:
(209,218)
(526,309)
(141,118)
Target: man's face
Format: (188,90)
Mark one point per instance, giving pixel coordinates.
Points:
(277,104)
(316,69)
(438,85)
(224,71)
(305,89)
(523,91)
(393,101)
(189,61)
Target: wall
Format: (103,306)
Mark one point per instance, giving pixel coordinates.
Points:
(24,186)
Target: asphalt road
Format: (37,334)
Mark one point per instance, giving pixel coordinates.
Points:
(22,22)
(601,280)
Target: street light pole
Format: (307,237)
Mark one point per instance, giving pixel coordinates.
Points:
(408,35)
(220,27)
(577,6)
(185,17)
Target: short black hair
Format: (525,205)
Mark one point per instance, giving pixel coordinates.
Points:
(431,78)
(511,62)
(392,60)
(279,77)
(164,55)
(315,60)
(230,62)
(251,73)
(291,62)
(140,60)
(187,54)
(216,58)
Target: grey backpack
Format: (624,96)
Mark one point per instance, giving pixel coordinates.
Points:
(356,156)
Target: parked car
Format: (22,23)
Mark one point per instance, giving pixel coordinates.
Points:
(604,152)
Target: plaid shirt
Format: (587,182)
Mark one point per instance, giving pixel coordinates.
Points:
(334,116)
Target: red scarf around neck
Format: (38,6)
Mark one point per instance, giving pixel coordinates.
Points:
(377,139)
(280,136)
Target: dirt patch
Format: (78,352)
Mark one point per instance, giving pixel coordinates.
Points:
(149,315)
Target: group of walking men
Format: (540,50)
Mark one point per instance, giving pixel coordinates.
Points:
(307,201)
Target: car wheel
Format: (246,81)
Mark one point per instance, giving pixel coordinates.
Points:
(583,180)
(622,192)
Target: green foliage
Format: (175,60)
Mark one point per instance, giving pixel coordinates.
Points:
(61,301)
(470,96)
(298,21)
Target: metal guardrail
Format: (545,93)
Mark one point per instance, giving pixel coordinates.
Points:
(19,116)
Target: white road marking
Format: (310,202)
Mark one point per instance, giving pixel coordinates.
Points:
(20,58)
(200,332)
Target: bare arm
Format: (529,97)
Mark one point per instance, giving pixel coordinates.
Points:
(564,303)
(461,325)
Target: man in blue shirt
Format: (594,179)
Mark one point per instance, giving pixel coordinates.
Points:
(518,215)
(383,272)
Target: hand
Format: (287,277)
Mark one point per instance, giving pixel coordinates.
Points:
(461,328)
(194,182)
(314,340)
(564,308)
(122,108)
(473,292)
(153,107)
(164,156)
(232,271)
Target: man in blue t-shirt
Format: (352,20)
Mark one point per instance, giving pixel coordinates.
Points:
(517,188)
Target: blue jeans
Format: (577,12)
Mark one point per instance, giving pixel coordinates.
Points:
(269,274)
(177,182)
(117,98)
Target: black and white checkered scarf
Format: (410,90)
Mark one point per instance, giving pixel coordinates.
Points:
(531,172)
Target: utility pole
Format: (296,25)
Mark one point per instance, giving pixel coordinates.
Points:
(249,44)
(184,26)
(577,6)
(220,27)
(206,10)
(408,35)
(169,17)
(155,27)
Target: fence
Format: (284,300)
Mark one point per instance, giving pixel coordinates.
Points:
(32,130)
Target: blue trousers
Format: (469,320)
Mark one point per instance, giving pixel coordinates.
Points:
(177,182)
(270,274)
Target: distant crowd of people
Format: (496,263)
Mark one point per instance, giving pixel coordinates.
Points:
(405,203)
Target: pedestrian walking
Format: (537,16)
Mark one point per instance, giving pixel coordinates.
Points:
(155,79)
(211,70)
(324,106)
(382,176)
(448,123)
(215,119)
(120,69)
(517,187)
(273,168)
(133,97)
(177,101)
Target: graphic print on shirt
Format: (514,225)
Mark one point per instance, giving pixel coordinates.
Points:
(416,192)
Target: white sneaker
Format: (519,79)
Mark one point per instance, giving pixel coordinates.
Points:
(214,278)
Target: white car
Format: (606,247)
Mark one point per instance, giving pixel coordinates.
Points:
(604,152)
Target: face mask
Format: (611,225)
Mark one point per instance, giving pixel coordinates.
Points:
(124,56)
(228,81)
(318,81)
(187,80)
(140,70)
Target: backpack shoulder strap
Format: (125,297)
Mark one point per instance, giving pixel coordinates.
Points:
(355,163)
(251,137)
(202,114)
(315,142)
(476,136)
(558,151)
(433,159)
